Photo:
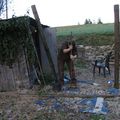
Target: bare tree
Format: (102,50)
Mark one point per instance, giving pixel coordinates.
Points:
(4,7)
(1,6)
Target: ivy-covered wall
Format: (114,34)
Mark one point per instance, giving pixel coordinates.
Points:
(14,36)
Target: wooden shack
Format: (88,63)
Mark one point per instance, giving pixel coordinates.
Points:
(21,52)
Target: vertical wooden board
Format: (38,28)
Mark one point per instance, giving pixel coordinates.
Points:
(51,41)
(24,81)
(6,80)
(16,75)
(117,42)
(10,79)
(43,40)
(1,79)
(14,78)
(4,84)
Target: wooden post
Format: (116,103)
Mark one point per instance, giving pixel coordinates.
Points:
(37,58)
(6,9)
(117,41)
(43,40)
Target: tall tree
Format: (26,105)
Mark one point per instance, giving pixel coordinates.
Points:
(4,7)
(86,21)
(1,6)
(99,21)
(90,22)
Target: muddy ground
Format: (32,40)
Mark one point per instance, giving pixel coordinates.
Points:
(27,104)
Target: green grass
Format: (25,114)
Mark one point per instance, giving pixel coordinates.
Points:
(93,34)
(95,39)
(85,29)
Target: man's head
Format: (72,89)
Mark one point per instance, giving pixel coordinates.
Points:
(72,43)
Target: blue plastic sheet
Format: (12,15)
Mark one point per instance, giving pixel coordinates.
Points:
(56,105)
(110,81)
(40,102)
(66,79)
(71,90)
(52,104)
(113,91)
(86,81)
(94,105)
(43,102)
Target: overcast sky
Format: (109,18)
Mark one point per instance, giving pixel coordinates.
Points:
(66,12)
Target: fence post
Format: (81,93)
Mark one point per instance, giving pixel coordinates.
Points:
(117,41)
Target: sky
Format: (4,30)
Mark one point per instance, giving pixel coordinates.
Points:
(66,12)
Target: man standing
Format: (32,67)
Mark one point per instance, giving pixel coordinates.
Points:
(66,55)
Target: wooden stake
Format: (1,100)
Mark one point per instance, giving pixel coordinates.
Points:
(43,40)
(39,65)
(117,41)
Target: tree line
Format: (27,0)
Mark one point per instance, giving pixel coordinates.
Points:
(88,21)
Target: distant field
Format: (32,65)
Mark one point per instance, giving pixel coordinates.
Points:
(92,34)
(85,29)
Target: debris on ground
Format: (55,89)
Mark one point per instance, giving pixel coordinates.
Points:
(41,104)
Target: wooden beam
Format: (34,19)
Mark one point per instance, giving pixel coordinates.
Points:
(43,40)
(117,41)
(55,95)
(37,58)
(77,96)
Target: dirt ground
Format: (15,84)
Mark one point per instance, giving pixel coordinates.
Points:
(27,104)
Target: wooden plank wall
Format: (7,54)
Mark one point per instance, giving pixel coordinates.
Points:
(14,78)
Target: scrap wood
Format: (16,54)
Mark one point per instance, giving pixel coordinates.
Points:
(79,96)
(69,96)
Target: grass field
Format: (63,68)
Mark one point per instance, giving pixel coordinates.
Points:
(85,29)
(92,34)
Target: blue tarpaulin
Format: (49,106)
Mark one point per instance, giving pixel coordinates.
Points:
(71,90)
(67,79)
(86,81)
(94,105)
(113,91)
